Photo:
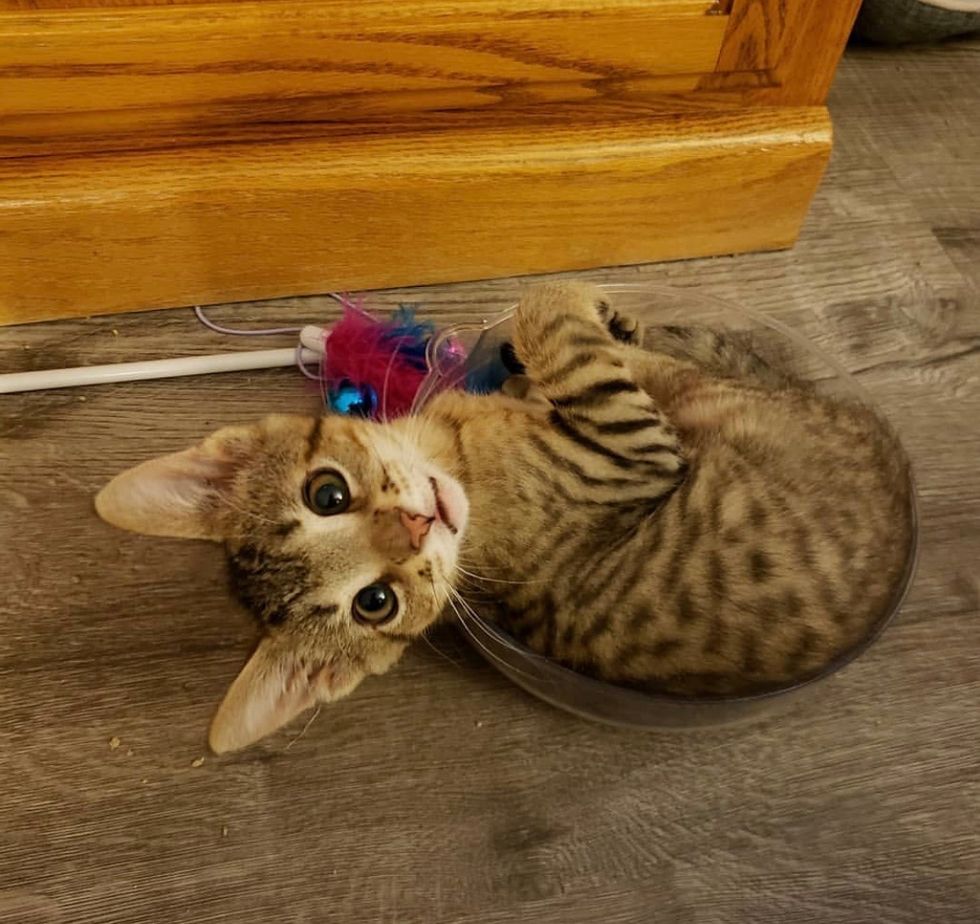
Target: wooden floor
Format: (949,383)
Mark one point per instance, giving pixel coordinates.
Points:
(441,793)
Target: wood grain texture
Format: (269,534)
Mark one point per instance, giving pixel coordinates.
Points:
(143,74)
(353,115)
(134,68)
(440,793)
(220,117)
(62,5)
(342,7)
(85,235)
(782,52)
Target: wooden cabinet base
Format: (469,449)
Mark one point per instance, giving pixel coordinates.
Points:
(197,151)
(556,189)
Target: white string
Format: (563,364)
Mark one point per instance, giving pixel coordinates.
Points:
(239,332)
(274,331)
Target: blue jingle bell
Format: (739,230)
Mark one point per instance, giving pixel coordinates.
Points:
(353,400)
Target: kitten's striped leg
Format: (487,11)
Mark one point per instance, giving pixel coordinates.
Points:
(601,419)
(725,354)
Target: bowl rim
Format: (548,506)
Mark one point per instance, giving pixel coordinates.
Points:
(559,672)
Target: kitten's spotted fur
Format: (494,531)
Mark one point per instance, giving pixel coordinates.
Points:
(683,518)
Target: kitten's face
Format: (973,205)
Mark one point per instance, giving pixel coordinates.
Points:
(342,539)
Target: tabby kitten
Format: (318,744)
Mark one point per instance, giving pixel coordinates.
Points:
(683,519)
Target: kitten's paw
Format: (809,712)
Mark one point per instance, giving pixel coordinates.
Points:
(623,327)
(552,311)
(544,305)
(556,320)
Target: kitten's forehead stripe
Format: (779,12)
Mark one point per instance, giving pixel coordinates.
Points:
(355,438)
(313,440)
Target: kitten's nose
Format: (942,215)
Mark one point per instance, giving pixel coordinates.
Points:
(417,526)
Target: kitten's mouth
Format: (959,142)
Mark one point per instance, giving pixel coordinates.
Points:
(442,512)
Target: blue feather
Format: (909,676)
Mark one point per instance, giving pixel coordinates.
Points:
(412,337)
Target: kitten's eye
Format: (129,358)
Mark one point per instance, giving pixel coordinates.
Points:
(375,604)
(326,493)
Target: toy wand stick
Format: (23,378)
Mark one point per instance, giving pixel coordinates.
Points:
(309,351)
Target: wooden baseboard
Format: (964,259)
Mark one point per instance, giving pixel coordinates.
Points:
(554,191)
(109,71)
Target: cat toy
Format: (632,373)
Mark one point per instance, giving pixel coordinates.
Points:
(388,368)
(365,366)
(373,367)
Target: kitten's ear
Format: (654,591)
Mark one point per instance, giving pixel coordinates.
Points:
(180,494)
(273,688)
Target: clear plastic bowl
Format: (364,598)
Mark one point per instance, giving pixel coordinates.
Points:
(584,696)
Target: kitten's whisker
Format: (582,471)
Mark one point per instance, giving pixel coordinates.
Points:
(468,613)
(424,635)
(384,386)
(482,577)
(473,562)
(305,728)
(416,429)
(466,605)
(376,452)
(422,396)
(457,664)
(323,390)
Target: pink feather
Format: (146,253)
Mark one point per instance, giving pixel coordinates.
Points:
(359,351)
